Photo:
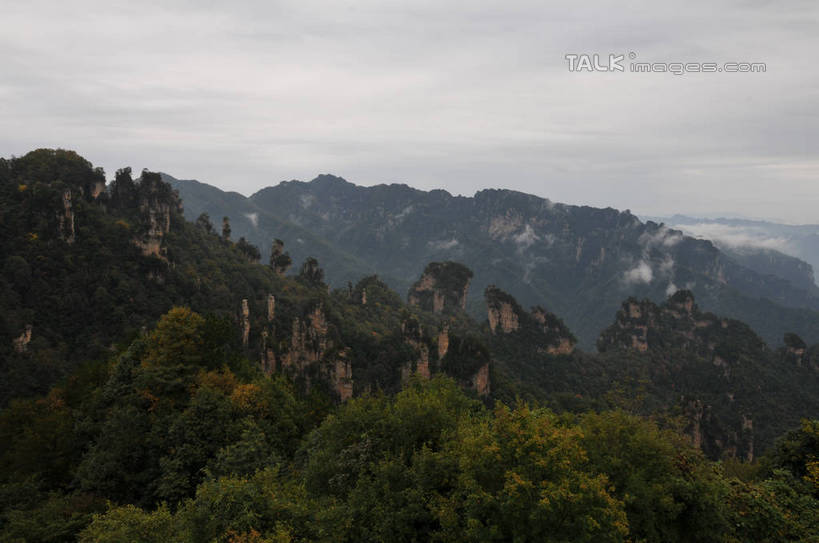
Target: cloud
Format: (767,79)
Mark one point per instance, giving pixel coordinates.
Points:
(443,244)
(671,289)
(433,94)
(663,237)
(739,236)
(525,238)
(667,265)
(641,273)
(253,218)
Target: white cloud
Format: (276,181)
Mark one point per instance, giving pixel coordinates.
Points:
(641,273)
(739,236)
(525,238)
(443,244)
(663,237)
(667,265)
(253,218)
(671,289)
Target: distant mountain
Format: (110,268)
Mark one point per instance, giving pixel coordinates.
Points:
(578,262)
(760,245)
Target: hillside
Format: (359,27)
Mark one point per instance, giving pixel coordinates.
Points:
(160,383)
(578,262)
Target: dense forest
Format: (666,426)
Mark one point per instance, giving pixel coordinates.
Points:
(160,383)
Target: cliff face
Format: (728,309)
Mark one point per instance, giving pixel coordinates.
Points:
(442,287)
(541,329)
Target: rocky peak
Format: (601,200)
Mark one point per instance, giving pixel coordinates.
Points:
(156,202)
(503,311)
(679,324)
(506,316)
(443,287)
(795,349)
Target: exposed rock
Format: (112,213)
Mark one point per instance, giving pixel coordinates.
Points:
(501,312)
(795,349)
(678,323)
(308,341)
(480,381)
(443,342)
(559,339)
(67,219)
(343,377)
(695,412)
(21,342)
(545,329)
(503,226)
(268,357)
(97,189)
(245,323)
(413,336)
(748,437)
(271,307)
(155,209)
(442,287)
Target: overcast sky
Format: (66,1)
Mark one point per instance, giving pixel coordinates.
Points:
(460,96)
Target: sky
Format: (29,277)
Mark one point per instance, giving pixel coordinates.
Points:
(455,95)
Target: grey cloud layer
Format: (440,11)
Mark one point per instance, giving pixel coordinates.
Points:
(455,95)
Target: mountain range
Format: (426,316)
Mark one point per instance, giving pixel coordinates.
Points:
(576,261)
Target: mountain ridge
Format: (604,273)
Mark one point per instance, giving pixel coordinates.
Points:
(579,261)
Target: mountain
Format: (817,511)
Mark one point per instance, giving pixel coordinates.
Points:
(578,262)
(766,243)
(89,266)
(160,383)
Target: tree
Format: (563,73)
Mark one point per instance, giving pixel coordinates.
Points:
(225,228)
(279,259)
(311,274)
(203,222)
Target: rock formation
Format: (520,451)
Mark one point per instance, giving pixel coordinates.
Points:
(156,202)
(245,323)
(414,337)
(343,377)
(442,287)
(548,332)
(480,381)
(66,218)
(795,349)
(678,323)
(443,342)
(268,357)
(308,341)
(503,311)
(271,307)
(21,342)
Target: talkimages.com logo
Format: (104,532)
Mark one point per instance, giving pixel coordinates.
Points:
(582,62)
